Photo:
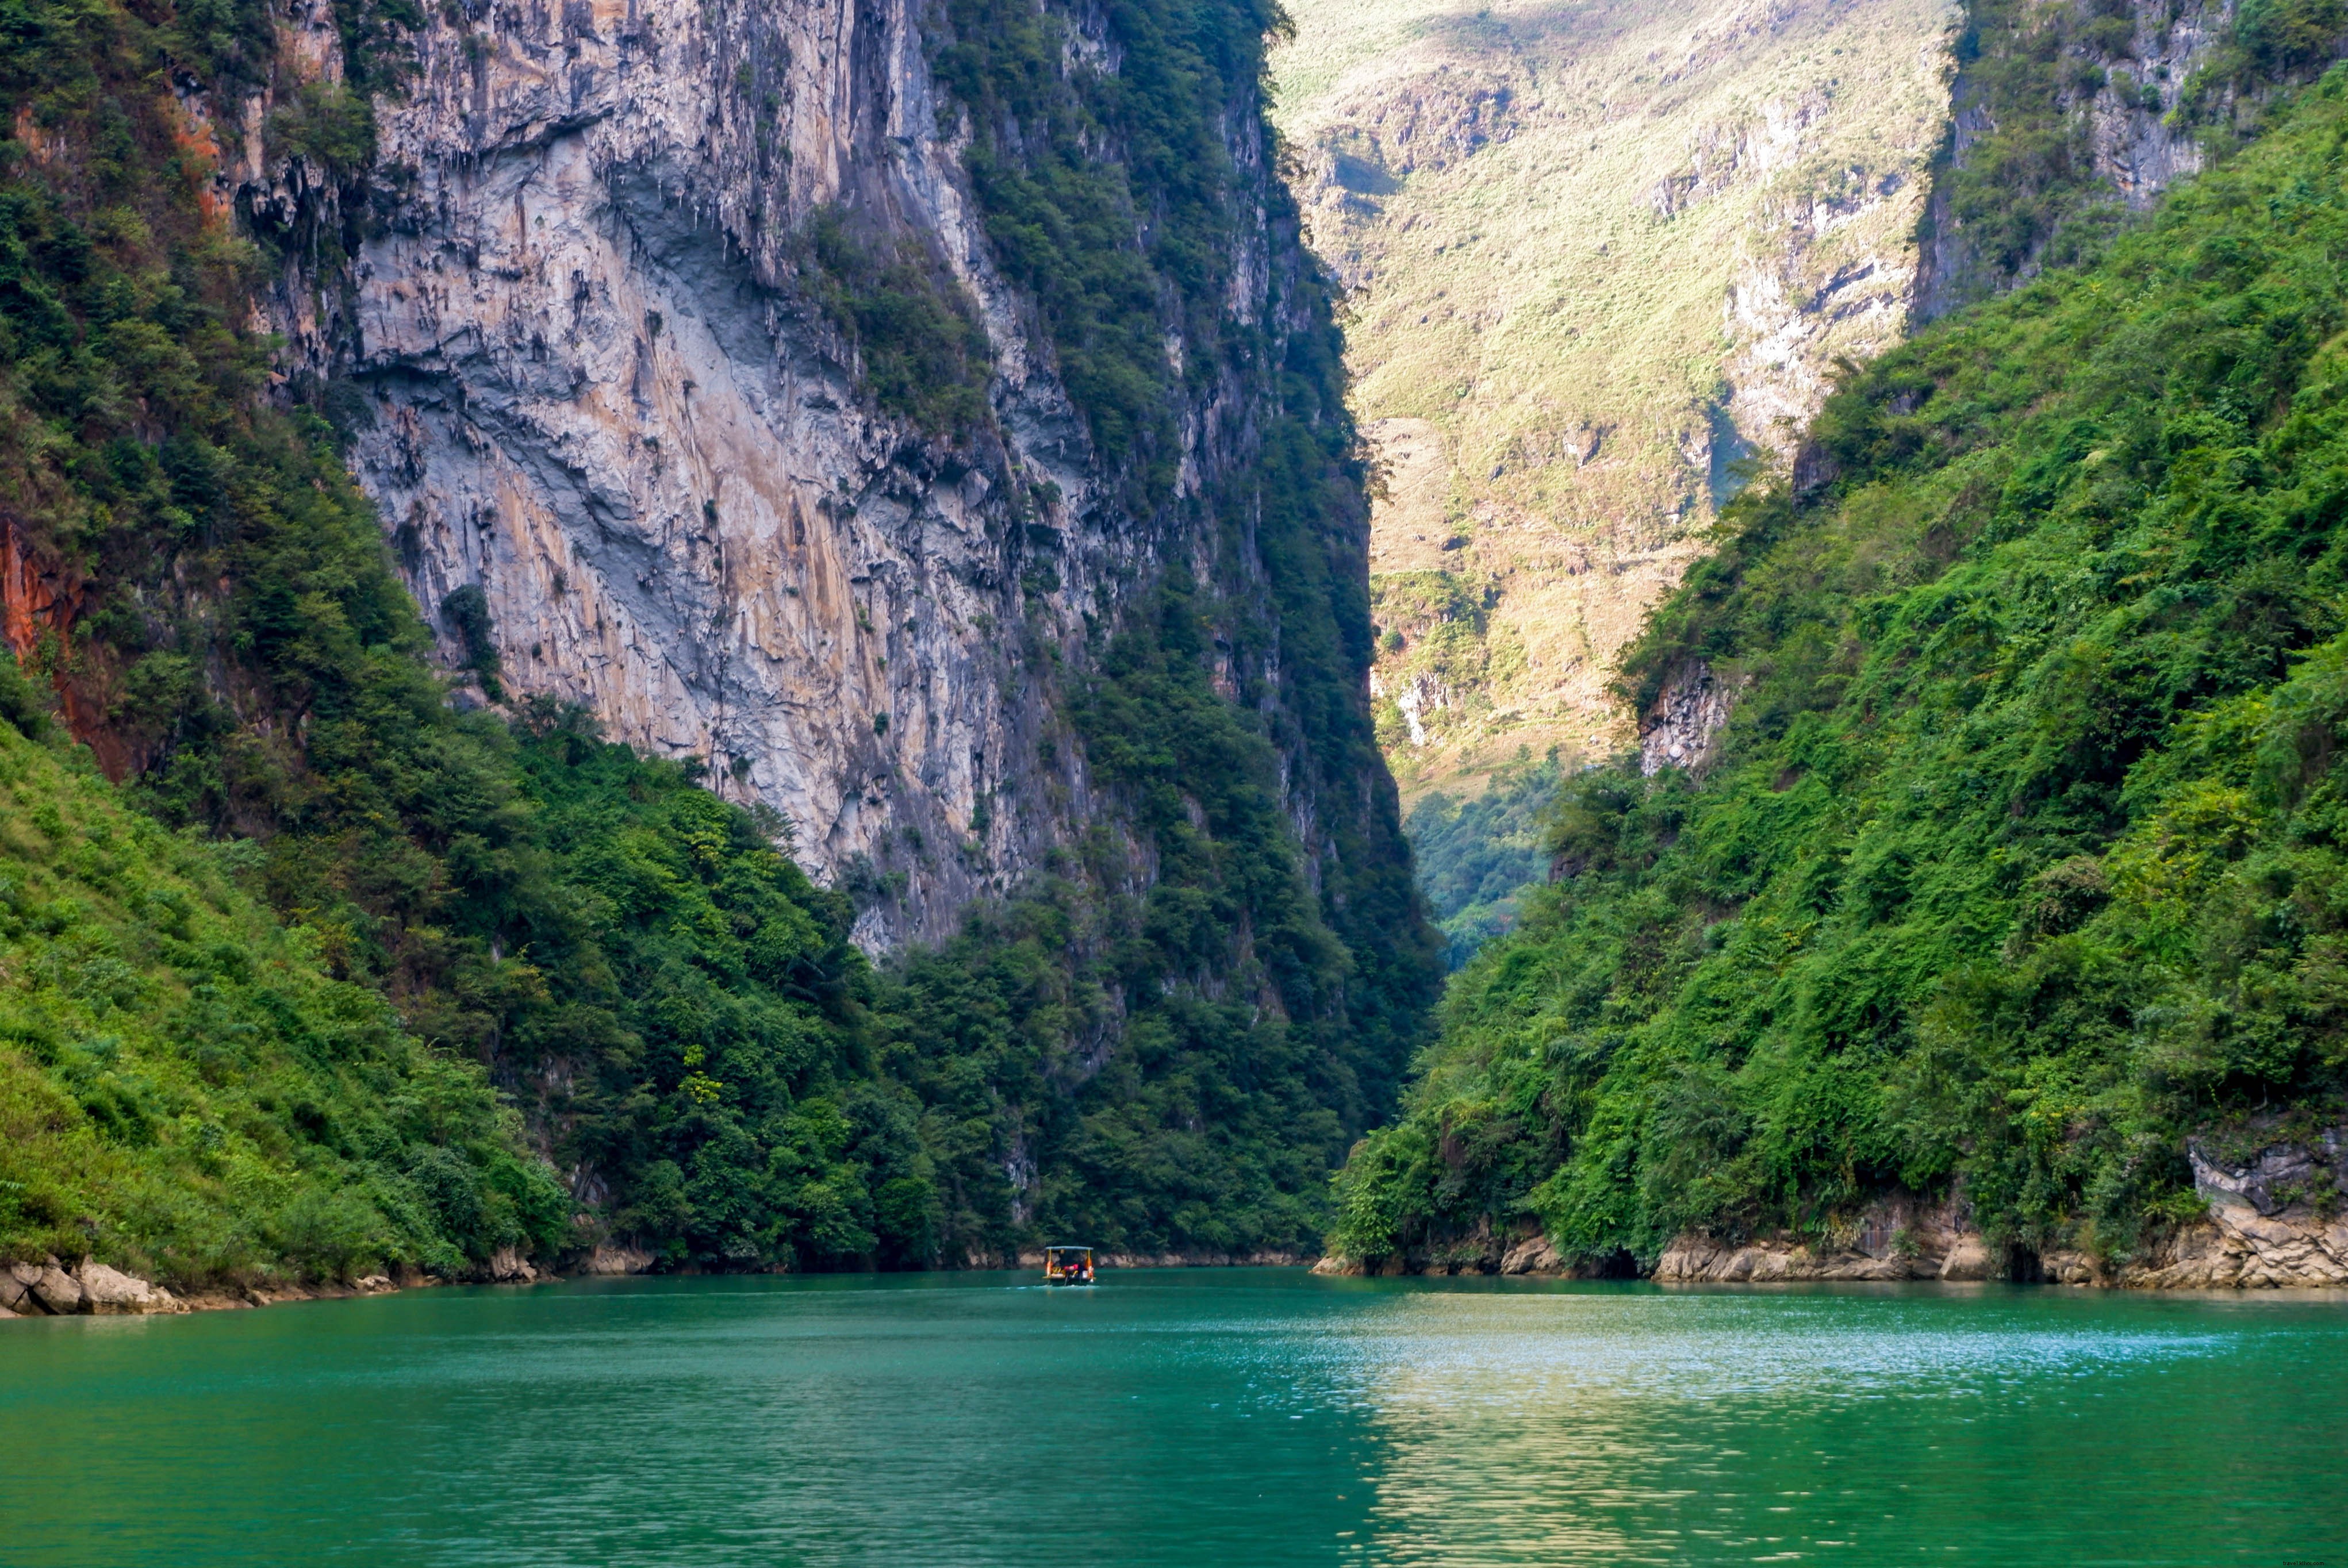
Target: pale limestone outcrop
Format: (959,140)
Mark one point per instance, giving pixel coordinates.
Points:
(2277,1219)
(56,1290)
(1898,1239)
(110,1290)
(1678,730)
(1534,1254)
(507,1266)
(611,1259)
(594,384)
(49,1287)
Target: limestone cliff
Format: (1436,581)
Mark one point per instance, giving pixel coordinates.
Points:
(587,373)
(2100,92)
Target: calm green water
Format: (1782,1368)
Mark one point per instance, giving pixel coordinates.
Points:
(1211,1417)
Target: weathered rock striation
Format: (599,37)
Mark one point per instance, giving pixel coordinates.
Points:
(587,375)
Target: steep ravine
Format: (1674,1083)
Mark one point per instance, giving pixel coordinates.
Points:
(1863,969)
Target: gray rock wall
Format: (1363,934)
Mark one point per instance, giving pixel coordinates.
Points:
(2136,144)
(587,377)
(599,398)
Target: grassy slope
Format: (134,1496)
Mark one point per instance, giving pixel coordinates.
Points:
(1487,178)
(185,1091)
(2023,860)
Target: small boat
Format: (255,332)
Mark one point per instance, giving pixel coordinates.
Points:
(1067,1265)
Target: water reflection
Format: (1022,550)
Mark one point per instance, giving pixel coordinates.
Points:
(1218,1418)
(1610,1426)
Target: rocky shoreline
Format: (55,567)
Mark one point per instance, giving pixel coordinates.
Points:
(52,1288)
(2277,1219)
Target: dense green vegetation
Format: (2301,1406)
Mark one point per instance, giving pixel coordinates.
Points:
(185,1090)
(1479,856)
(2022,859)
(481,908)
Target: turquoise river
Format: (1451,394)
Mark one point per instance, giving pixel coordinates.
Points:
(1210,1417)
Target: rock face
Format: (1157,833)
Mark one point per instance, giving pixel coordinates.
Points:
(507,1266)
(50,1287)
(590,378)
(2278,1218)
(2125,82)
(1679,730)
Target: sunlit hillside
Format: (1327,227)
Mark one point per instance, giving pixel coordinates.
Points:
(1600,249)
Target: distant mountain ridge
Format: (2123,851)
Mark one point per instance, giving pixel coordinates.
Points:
(1598,252)
(1603,254)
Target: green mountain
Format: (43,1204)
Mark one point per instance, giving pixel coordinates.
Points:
(2014,871)
(319,956)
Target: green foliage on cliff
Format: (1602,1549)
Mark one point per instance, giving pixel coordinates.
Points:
(225,1101)
(2034,76)
(1105,192)
(695,1032)
(2022,859)
(924,351)
(185,1090)
(1179,1030)
(1180,1058)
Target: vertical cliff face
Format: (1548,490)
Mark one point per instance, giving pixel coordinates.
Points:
(600,386)
(2066,118)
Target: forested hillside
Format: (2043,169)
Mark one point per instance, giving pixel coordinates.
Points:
(325,958)
(1477,856)
(2018,865)
(184,1089)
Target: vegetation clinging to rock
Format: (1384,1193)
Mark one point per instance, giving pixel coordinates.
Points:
(2020,862)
